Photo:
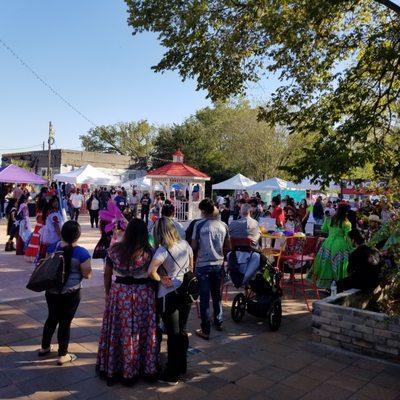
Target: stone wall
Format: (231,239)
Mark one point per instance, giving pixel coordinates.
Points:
(354,329)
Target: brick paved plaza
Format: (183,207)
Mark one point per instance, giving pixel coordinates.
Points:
(246,361)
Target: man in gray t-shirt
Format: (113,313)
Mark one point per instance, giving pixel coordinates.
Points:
(210,240)
(245,227)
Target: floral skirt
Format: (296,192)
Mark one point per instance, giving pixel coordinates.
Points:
(128,345)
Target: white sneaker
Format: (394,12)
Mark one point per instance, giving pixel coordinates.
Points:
(66,359)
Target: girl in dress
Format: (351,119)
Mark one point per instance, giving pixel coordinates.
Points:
(32,250)
(24,225)
(50,234)
(112,227)
(333,257)
(128,346)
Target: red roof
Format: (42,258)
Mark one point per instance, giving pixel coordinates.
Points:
(177,169)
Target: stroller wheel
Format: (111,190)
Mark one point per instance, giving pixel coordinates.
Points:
(238,307)
(275,315)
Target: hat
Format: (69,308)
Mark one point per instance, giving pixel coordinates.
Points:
(374,218)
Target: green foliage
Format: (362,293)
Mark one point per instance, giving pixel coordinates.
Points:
(20,163)
(135,139)
(225,140)
(338,62)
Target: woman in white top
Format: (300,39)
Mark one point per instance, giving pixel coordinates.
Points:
(93,205)
(176,257)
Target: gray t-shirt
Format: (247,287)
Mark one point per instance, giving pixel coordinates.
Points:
(245,227)
(181,252)
(210,235)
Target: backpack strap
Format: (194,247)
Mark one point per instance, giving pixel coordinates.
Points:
(180,268)
(198,228)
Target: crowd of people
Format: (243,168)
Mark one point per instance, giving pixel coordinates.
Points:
(146,260)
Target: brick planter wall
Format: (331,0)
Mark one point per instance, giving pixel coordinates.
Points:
(362,331)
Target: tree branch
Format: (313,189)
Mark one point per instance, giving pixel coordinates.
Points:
(390,4)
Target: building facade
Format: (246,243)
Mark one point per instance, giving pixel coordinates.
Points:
(67,160)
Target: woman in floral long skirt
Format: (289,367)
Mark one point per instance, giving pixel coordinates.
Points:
(128,345)
(333,257)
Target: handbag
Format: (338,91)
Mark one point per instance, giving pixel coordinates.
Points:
(190,287)
(49,274)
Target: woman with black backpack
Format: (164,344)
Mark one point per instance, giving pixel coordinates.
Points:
(62,304)
(172,259)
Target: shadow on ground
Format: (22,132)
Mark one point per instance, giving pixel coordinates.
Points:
(245,361)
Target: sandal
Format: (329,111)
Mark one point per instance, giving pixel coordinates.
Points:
(66,359)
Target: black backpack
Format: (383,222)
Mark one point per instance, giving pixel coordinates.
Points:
(190,287)
(50,273)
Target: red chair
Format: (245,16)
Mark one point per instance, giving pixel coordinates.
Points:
(296,262)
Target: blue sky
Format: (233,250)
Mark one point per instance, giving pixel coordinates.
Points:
(85,50)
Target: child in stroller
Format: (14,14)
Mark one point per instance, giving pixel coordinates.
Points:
(250,269)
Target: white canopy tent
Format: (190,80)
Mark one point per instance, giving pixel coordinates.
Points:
(89,175)
(142,184)
(273,184)
(237,182)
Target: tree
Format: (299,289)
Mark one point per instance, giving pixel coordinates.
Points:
(20,163)
(338,62)
(135,139)
(225,140)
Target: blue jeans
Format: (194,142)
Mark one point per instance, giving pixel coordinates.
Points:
(210,282)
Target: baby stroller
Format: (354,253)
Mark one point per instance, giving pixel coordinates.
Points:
(249,269)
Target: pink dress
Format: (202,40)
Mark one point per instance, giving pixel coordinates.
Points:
(128,346)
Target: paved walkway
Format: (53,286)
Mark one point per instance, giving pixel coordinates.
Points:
(246,361)
(15,270)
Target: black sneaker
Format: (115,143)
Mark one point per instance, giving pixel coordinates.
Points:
(203,335)
(218,327)
(170,380)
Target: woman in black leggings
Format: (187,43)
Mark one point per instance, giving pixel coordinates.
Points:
(176,257)
(62,304)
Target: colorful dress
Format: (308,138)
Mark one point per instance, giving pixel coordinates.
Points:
(32,250)
(128,345)
(333,257)
(49,237)
(24,229)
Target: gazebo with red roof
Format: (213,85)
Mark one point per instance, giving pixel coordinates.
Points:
(177,172)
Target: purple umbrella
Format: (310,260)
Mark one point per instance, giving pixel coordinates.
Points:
(13,174)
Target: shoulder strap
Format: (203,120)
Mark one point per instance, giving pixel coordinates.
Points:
(180,268)
(198,228)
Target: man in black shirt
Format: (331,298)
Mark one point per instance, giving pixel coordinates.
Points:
(364,268)
(145,203)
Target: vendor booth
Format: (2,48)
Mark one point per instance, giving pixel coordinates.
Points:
(237,182)
(14,174)
(89,175)
(182,184)
(274,186)
(141,185)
